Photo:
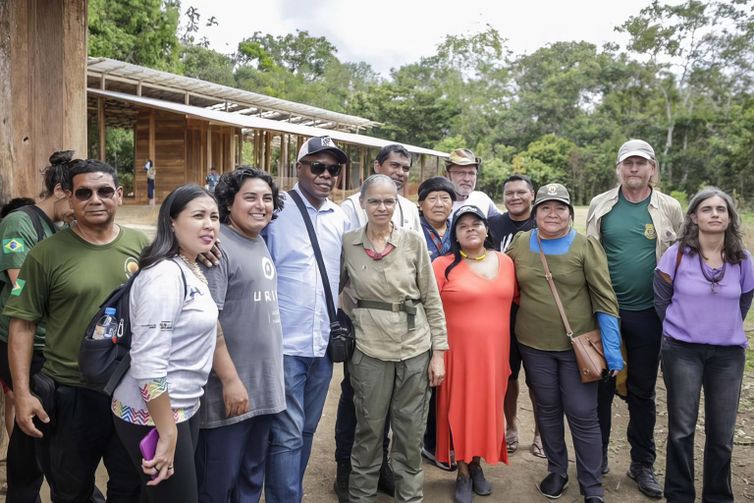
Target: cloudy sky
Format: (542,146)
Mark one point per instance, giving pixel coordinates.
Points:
(390,33)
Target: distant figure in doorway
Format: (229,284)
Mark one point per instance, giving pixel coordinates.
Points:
(212,178)
(151,172)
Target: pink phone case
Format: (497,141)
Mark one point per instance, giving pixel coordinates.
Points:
(148,444)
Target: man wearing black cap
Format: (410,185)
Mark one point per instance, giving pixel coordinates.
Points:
(303,313)
(635,223)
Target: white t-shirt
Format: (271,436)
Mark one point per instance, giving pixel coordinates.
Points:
(481,201)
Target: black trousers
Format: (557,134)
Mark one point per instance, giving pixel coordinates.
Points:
(182,487)
(71,450)
(642,336)
(24,475)
(345,422)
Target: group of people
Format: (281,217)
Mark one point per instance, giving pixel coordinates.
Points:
(230,331)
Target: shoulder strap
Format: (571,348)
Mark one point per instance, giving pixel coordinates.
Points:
(37,216)
(548,277)
(317,254)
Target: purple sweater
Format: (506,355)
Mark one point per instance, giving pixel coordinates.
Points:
(697,312)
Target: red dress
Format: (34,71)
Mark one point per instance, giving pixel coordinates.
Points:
(470,418)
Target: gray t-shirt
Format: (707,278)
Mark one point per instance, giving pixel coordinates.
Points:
(244,285)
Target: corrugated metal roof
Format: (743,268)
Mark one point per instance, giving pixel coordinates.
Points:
(250,101)
(246,121)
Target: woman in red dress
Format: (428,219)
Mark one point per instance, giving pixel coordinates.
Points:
(477,286)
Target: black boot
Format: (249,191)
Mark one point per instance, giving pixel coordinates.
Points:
(386,484)
(340,486)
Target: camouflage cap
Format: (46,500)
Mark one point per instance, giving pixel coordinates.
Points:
(462,157)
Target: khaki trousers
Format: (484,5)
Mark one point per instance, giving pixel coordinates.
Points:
(403,389)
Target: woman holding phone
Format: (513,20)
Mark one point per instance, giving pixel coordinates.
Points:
(174,327)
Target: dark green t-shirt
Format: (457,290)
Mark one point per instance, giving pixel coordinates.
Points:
(629,239)
(18,237)
(62,283)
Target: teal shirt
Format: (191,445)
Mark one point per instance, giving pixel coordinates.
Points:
(629,239)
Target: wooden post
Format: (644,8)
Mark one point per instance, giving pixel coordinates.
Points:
(267,150)
(101,127)
(208,166)
(362,164)
(152,132)
(422,159)
(232,149)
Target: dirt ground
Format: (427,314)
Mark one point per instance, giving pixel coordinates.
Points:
(516,481)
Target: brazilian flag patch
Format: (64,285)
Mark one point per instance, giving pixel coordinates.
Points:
(18,287)
(13,245)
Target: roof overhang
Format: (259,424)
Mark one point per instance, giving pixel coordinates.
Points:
(245,121)
(110,74)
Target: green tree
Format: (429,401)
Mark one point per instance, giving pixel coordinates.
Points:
(142,32)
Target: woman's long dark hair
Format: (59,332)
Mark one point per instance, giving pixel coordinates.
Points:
(733,247)
(165,244)
(455,246)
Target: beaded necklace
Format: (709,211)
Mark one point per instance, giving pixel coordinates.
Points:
(478,259)
(194,268)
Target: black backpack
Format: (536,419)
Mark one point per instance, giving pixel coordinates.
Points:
(104,362)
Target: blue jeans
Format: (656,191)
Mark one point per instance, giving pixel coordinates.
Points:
(230,461)
(687,368)
(292,431)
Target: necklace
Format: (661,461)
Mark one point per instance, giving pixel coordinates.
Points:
(478,259)
(194,268)
(716,277)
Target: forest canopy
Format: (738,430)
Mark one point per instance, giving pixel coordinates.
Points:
(683,82)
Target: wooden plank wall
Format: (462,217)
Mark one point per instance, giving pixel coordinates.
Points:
(43,101)
(181,151)
(169,153)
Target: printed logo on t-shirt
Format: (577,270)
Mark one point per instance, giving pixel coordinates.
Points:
(18,287)
(166,326)
(14,245)
(649,232)
(267,268)
(130,266)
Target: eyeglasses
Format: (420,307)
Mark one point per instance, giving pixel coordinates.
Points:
(376,203)
(319,167)
(85,193)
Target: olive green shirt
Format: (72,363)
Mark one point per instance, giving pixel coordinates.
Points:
(62,283)
(583,282)
(405,273)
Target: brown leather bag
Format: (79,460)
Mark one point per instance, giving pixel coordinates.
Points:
(587,347)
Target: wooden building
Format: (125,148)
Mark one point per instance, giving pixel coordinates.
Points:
(187,126)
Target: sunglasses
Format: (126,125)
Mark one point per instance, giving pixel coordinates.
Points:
(85,193)
(319,167)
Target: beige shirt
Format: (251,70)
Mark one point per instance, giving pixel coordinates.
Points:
(666,214)
(405,273)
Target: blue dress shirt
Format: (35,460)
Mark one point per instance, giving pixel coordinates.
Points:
(301,296)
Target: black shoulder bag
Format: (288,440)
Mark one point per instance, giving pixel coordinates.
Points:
(342,337)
